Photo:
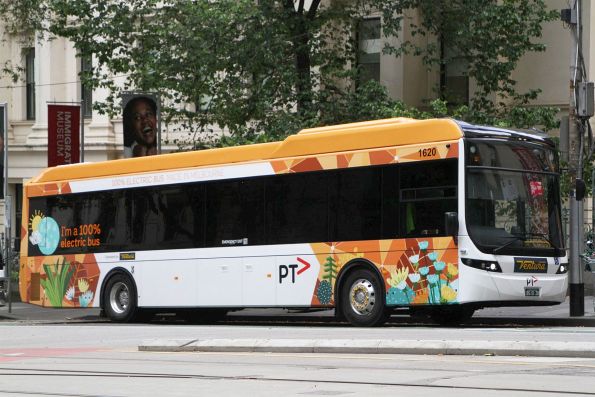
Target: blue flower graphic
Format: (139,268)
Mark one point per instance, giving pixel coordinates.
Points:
(433,278)
(86,298)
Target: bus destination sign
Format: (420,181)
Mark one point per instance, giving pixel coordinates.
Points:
(530,265)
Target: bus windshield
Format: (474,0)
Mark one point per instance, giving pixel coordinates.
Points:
(513,199)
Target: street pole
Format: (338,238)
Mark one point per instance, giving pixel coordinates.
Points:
(576,285)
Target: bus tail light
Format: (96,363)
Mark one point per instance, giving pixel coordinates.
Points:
(490,266)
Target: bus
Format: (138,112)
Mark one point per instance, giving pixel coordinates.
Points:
(436,216)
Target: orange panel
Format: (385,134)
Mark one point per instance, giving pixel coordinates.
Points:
(309,143)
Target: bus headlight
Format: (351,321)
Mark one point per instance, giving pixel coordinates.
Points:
(489,266)
(563,268)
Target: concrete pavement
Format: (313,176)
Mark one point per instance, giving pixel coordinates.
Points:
(373,346)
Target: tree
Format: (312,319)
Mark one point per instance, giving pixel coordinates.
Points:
(490,37)
(264,69)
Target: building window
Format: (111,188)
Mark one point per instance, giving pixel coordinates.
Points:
(86,90)
(30,82)
(454,79)
(369,47)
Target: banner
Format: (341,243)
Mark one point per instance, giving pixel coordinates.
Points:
(3,148)
(63,134)
(141,118)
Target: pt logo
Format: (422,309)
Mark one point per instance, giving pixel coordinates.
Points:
(531,281)
(285,270)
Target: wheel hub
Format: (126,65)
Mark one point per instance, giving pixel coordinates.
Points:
(119,298)
(362,297)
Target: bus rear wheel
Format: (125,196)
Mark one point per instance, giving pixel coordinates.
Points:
(362,299)
(120,299)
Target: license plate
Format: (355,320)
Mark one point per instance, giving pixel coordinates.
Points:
(531,291)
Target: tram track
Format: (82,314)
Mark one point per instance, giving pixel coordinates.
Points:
(31,372)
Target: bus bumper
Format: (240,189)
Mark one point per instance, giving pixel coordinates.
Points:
(483,286)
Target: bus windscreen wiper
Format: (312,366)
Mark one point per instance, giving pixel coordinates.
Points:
(506,244)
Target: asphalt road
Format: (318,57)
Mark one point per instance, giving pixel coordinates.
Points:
(86,358)
(61,352)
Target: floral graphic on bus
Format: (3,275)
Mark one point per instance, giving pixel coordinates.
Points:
(399,293)
(86,296)
(56,282)
(45,233)
(425,279)
(415,271)
(63,281)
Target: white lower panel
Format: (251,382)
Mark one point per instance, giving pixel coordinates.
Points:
(219,282)
(259,281)
(167,284)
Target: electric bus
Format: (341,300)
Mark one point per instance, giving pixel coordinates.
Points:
(437,216)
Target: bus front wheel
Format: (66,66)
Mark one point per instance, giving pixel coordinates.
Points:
(362,299)
(120,299)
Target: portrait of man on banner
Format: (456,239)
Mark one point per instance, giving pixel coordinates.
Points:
(141,124)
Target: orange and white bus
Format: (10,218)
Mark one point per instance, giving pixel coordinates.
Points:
(435,215)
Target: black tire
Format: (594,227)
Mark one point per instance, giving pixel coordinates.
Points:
(362,299)
(120,299)
(452,315)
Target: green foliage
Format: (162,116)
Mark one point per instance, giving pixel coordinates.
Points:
(505,117)
(490,37)
(263,70)
(56,283)
(22,17)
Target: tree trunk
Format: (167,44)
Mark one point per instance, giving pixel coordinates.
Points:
(298,22)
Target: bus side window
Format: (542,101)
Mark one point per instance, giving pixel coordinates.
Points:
(427,191)
(224,211)
(177,214)
(355,191)
(235,213)
(252,191)
(390,202)
(297,208)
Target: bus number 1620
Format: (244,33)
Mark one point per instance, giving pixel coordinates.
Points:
(429,152)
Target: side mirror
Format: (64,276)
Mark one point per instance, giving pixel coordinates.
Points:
(451,223)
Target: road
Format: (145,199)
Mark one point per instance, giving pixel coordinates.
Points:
(83,359)
(75,353)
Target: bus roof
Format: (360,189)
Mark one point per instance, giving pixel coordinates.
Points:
(313,141)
